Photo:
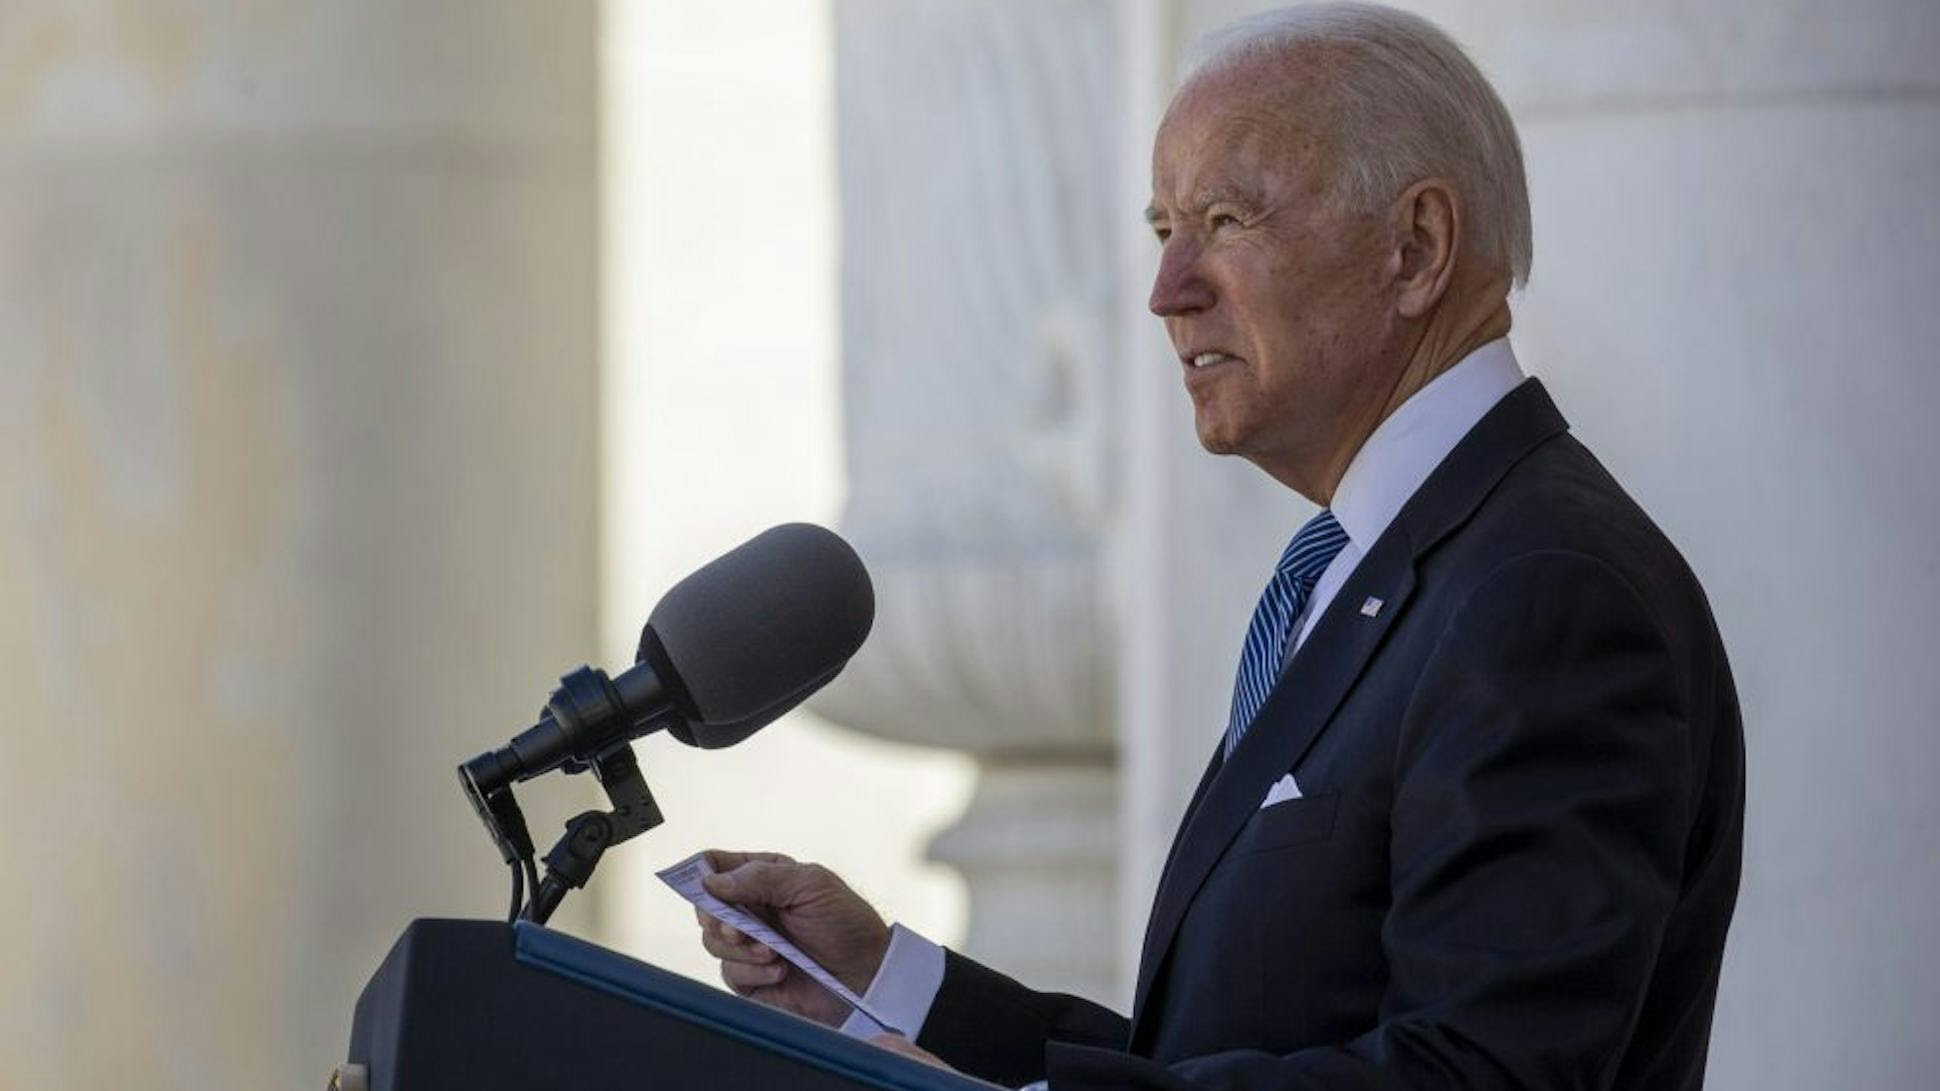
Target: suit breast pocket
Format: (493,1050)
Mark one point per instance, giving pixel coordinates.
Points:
(1294,822)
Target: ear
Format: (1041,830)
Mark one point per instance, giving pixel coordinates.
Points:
(1428,229)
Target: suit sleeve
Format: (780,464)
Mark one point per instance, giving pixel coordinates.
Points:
(988,1025)
(1542,794)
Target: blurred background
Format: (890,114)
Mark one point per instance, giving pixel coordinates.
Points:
(366,366)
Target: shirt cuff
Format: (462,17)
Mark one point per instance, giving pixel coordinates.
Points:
(905,986)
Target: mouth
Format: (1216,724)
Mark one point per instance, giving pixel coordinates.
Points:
(1209,360)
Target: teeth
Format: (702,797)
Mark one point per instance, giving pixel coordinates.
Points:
(1205,358)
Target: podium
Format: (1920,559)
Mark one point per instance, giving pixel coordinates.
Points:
(484,1006)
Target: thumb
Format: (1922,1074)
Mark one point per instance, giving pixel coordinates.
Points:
(758,882)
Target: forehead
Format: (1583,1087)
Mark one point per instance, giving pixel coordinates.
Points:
(1239,133)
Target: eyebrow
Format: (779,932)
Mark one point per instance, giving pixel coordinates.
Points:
(1205,199)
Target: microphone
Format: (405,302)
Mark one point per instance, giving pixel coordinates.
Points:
(726,651)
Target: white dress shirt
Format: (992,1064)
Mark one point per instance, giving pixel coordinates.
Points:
(1391,466)
(1385,472)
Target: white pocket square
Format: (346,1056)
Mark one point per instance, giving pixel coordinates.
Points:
(1282,790)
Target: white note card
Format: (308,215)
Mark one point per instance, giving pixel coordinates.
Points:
(685,877)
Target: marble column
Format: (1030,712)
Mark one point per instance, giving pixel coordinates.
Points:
(976,154)
(296,503)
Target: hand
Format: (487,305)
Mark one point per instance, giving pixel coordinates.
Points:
(896,1043)
(816,911)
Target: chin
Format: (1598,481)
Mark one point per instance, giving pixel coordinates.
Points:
(1223,428)
(1217,441)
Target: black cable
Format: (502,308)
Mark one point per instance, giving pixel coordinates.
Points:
(531,875)
(518,891)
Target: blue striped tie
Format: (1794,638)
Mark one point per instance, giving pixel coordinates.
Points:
(1307,556)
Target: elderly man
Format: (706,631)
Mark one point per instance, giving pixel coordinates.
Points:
(1475,819)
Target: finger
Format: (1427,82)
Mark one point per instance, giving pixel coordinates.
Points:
(748,951)
(725,932)
(765,883)
(732,936)
(713,929)
(723,860)
(755,882)
(743,978)
(712,925)
(733,986)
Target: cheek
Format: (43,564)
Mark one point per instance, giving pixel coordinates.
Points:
(1287,321)
(1273,305)
(1343,307)
(1298,306)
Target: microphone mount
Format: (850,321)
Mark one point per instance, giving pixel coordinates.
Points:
(586,706)
(570,864)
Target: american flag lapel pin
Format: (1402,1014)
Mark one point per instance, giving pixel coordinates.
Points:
(1371,608)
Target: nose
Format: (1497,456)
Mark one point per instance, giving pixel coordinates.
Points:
(1179,288)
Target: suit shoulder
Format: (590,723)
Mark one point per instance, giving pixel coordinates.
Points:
(1561,499)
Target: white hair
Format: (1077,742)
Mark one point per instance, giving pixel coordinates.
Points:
(1400,102)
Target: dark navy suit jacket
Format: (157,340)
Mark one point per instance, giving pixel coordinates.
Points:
(1517,851)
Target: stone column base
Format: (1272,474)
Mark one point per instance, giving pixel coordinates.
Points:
(1036,849)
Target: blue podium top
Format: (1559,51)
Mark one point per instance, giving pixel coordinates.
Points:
(724,1013)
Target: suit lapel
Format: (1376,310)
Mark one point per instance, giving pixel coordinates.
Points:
(1332,659)
(1320,675)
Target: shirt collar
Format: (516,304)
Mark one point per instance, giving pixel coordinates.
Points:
(1416,437)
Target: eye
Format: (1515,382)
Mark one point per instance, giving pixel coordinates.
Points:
(1223,219)
(1162,233)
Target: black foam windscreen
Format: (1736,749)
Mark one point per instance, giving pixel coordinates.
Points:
(752,633)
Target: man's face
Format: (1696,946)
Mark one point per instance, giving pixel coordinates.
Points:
(1272,295)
